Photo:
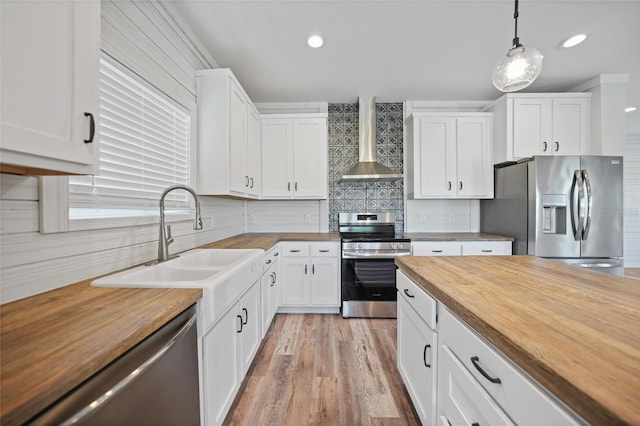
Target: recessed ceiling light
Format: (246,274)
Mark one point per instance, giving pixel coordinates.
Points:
(630,109)
(574,40)
(315,41)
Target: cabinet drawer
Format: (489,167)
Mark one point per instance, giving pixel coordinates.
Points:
(272,255)
(517,394)
(295,250)
(461,400)
(324,250)
(417,298)
(486,248)
(436,248)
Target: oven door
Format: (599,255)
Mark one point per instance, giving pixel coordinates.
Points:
(368,279)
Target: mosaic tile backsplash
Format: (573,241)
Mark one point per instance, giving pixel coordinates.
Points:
(370,197)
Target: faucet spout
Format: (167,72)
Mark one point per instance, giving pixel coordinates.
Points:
(165,238)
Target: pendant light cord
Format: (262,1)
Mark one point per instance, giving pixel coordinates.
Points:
(516,40)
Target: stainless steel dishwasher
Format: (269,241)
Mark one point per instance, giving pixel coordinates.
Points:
(154,383)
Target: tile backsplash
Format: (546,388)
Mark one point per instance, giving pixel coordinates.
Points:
(374,196)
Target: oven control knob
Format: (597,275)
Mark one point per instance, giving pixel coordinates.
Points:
(359,246)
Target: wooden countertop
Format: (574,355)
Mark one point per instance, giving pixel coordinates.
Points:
(54,341)
(575,331)
(455,236)
(267,240)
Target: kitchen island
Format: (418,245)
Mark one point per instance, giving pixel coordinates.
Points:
(574,331)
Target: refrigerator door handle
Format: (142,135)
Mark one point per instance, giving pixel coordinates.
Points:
(587,184)
(577,181)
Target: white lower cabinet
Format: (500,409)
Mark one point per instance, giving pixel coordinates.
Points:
(228,350)
(461,400)
(310,274)
(270,288)
(476,384)
(417,357)
(461,248)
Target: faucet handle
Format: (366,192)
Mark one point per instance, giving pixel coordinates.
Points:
(169,237)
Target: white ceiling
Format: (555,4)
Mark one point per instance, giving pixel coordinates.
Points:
(411,50)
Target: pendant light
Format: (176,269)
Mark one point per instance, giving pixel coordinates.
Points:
(520,67)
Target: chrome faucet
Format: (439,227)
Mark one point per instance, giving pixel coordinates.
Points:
(165,237)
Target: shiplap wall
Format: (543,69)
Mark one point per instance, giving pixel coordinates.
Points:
(632,202)
(144,37)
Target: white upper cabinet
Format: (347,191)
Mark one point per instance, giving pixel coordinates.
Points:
(228,137)
(50,82)
(294,156)
(449,155)
(541,124)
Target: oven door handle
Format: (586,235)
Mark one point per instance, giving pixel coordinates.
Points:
(365,255)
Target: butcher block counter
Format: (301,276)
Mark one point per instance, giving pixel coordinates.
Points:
(575,331)
(54,341)
(265,241)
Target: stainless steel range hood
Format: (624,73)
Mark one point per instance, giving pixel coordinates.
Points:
(367,167)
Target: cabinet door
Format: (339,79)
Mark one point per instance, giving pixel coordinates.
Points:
(474,155)
(50,78)
(238,178)
(250,336)
(531,127)
(266,281)
(324,281)
(436,157)
(310,158)
(417,360)
(295,281)
(254,159)
(461,400)
(219,367)
(275,289)
(570,126)
(277,138)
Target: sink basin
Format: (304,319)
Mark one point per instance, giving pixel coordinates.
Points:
(194,269)
(204,258)
(223,275)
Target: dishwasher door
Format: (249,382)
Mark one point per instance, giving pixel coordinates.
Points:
(154,383)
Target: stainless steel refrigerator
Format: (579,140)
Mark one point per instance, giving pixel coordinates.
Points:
(563,207)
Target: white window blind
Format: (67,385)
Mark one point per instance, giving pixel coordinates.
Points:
(144,148)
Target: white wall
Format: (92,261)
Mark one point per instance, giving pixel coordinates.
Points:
(442,216)
(144,37)
(287,216)
(632,202)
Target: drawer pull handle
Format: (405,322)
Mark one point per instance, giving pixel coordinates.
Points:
(268,261)
(92,127)
(475,361)
(436,251)
(275,254)
(294,251)
(241,324)
(407,293)
(487,251)
(424,356)
(475,424)
(324,251)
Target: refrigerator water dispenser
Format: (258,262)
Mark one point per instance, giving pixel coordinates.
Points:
(554,213)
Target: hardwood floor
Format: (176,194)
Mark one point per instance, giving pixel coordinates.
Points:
(324,370)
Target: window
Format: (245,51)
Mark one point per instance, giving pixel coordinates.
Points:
(144,148)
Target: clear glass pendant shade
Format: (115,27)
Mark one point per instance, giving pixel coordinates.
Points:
(518,69)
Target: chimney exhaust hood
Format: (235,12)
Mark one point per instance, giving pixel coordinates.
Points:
(367,167)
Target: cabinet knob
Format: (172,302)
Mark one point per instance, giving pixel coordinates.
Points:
(92,127)
(268,261)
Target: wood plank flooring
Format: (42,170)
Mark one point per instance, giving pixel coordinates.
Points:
(317,369)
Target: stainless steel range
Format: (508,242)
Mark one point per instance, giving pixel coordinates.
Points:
(369,246)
